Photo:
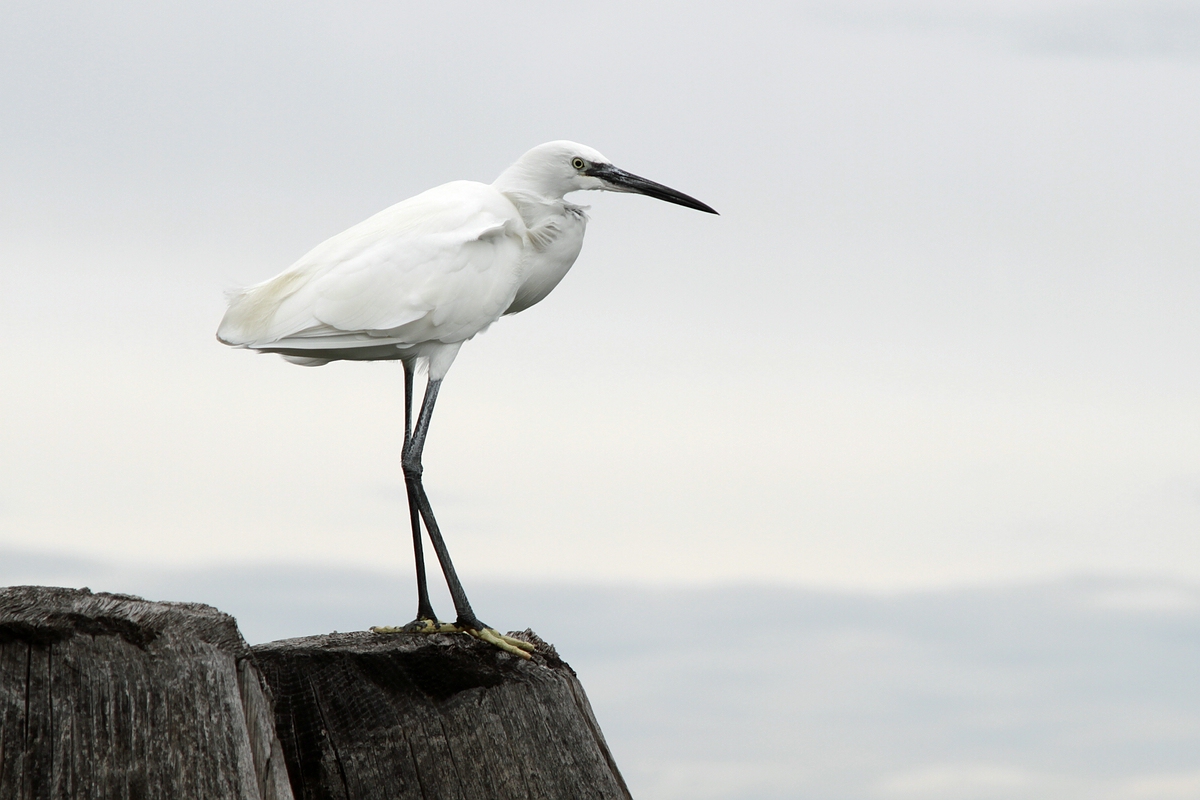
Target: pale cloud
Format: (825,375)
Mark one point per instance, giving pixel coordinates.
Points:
(942,334)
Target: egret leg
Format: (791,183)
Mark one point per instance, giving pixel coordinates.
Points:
(413,470)
(467,622)
(425,615)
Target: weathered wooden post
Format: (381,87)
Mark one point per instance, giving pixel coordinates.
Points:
(111,696)
(365,715)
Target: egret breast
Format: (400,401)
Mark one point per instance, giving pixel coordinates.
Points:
(554,244)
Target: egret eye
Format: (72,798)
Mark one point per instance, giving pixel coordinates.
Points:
(577,163)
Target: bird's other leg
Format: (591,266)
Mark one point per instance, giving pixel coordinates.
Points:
(467,622)
(425,616)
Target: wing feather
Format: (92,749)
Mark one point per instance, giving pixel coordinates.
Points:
(441,266)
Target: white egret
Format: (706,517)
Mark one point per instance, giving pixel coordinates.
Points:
(418,279)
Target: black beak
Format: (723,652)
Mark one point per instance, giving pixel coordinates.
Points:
(618,180)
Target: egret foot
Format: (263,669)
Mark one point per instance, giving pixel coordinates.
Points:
(497,639)
(480,631)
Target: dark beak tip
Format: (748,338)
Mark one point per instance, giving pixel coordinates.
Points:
(621,180)
(678,198)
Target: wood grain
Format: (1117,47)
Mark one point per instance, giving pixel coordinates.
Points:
(111,696)
(364,715)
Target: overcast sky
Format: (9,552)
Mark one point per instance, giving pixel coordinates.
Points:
(944,331)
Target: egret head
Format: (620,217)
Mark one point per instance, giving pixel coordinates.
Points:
(556,168)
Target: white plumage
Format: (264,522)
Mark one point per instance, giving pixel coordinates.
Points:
(423,276)
(439,267)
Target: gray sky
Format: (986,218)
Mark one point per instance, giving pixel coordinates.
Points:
(944,332)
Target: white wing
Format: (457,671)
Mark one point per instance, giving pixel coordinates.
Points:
(438,267)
